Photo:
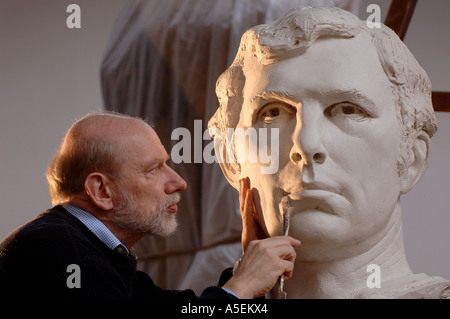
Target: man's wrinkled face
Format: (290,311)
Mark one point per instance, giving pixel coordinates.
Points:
(147,189)
(339,143)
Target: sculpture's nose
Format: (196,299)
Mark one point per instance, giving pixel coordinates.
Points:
(308,147)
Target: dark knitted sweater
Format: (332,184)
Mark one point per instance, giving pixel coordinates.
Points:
(35,257)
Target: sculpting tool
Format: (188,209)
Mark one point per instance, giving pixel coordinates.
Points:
(286,209)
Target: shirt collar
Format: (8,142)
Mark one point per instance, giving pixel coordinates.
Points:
(98,228)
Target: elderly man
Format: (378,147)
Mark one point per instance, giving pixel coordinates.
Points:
(353,111)
(111,186)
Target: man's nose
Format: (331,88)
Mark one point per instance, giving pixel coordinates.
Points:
(308,137)
(175,183)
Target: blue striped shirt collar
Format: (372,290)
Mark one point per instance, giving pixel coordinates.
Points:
(98,228)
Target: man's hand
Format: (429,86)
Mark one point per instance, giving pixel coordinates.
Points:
(261,266)
(264,259)
(251,229)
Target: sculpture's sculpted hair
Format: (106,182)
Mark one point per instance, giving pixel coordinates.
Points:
(291,36)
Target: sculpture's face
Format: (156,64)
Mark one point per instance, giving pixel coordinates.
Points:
(339,143)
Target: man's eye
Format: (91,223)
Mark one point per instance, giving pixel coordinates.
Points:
(346,109)
(274,110)
(154,169)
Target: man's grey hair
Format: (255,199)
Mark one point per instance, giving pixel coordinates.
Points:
(82,153)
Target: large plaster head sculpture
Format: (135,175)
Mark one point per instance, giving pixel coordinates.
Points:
(353,114)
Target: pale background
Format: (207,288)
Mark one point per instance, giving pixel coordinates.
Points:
(49,77)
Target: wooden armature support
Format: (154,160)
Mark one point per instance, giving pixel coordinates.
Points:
(399,16)
(441,101)
(398,19)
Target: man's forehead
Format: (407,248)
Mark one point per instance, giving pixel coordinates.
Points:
(144,148)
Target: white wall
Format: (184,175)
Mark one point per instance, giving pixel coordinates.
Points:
(49,77)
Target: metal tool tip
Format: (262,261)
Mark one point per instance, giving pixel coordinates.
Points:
(285,203)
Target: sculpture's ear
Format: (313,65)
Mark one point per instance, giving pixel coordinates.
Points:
(226,157)
(232,173)
(420,149)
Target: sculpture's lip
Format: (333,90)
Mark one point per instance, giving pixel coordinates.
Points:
(317,202)
(311,193)
(315,197)
(311,190)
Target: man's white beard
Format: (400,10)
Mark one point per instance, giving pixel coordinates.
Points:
(129,215)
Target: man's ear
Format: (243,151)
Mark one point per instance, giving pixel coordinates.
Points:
(98,188)
(420,149)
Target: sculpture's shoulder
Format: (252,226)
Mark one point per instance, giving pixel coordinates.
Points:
(430,288)
(421,286)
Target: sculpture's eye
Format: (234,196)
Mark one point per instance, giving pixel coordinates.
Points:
(274,110)
(346,109)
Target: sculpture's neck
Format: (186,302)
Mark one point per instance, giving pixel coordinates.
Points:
(348,277)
